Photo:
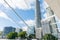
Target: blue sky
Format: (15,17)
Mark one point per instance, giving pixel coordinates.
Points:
(25,9)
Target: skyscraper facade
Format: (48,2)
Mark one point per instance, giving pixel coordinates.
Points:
(52,20)
(7,30)
(37,14)
(38,27)
(46,27)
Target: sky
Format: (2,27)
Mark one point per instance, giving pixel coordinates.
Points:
(24,8)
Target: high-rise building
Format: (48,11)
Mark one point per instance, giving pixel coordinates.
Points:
(37,15)
(38,26)
(54,27)
(45,27)
(7,30)
(49,25)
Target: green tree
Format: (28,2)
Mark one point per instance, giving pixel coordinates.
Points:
(49,37)
(32,36)
(1,32)
(22,34)
(12,35)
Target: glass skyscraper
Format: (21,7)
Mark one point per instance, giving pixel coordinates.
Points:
(7,30)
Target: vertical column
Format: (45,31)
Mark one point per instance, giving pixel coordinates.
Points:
(38,20)
(37,14)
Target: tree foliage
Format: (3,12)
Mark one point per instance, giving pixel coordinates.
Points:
(12,35)
(49,37)
(32,36)
(1,32)
(22,34)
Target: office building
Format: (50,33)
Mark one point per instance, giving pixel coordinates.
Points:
(46,28)
(9,29)
(52,21)
(38,20)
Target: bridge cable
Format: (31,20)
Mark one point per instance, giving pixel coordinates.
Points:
(17,14)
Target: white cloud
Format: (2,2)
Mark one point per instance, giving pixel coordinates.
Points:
(3,15)
(25,28)
(3,3)
(29,22)
(21,4)
(45,5)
